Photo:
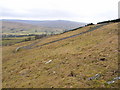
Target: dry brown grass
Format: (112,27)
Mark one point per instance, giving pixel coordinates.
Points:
(78,55)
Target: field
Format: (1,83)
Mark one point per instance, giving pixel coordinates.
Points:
(17,28)
(13,40)
(67,63)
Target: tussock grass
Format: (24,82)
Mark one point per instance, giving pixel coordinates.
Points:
(74,60)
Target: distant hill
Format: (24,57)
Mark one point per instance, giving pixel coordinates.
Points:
(61,24)
(12,27)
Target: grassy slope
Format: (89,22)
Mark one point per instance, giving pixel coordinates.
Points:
(16,28)
(79,55)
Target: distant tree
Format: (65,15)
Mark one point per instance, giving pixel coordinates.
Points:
(12,29)
(35,30)
(52,33)
(89,24)
(40,36)
(115,20)
(28,39)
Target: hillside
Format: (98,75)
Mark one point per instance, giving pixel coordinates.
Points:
(19,28)
(61,24)
(67,63)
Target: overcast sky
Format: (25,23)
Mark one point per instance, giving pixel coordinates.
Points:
(74,10)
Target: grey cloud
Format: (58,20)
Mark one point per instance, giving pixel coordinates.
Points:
(38,13)
(119,9)
(6,12)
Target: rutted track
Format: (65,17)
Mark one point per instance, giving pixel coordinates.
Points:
(92,29)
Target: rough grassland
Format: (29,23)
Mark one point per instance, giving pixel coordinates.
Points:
(74,60)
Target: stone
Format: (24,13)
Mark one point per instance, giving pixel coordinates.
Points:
(110,82)
(17,49)
(117,78)
(113,81)
(48,61)
(94,77)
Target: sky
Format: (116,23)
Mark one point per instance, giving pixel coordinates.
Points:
(88,11)
(119,9)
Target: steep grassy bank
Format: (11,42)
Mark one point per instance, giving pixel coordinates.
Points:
(71,61)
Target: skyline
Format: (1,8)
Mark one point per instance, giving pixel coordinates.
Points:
(88,11)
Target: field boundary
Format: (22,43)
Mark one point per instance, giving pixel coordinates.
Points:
(92,29)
